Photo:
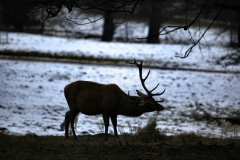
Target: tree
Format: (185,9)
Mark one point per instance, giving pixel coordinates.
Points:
(238,35)
(217,8)
(50,8)
(108,28)
(154,23)
(16,16)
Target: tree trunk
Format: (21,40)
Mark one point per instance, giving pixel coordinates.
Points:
(238,34)
(18,26)
(154,23)
(108,28)
(42,26)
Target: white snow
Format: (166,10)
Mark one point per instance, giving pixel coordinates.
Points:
(32,99)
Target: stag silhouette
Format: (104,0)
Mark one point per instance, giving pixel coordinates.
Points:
(92,98)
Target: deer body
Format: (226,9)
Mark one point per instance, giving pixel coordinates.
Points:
(92,98)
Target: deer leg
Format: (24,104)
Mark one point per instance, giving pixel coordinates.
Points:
(73,115)
(114,122)
(62,126)
(75,122)
(66,122)
(106,123)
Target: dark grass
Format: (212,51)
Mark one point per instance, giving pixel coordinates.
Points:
(185,146)
(146,143)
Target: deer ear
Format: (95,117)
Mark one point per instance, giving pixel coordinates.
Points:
(140,93)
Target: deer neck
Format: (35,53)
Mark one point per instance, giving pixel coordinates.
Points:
(128,106)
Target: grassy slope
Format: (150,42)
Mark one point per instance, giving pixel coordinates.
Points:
(146,146)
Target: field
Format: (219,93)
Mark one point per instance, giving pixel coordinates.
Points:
(146,143)
(32,99)
(34,70)
(145,147)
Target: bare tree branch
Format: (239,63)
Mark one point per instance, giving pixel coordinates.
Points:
(178,27)
(89,21)
(190,49)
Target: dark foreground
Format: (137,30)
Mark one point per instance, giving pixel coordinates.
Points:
(187,146)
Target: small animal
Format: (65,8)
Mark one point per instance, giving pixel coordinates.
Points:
(92,98)
(231,124)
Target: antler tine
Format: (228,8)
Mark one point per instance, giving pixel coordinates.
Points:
(139,65)
(147,75)
(159,94)
(154,88)
(135,62)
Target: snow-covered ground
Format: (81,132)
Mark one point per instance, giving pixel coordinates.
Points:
(164,55)
(32,97)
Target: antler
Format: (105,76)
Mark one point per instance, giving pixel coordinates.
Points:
(150,94)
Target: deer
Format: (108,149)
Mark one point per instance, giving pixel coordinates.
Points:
(91,98)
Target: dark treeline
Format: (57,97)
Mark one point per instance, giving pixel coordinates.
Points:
(19,16)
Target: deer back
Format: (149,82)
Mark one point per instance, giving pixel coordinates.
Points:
(92,98)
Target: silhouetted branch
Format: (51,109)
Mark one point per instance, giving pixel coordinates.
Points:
(89,21)
(186,27)
(190,49)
